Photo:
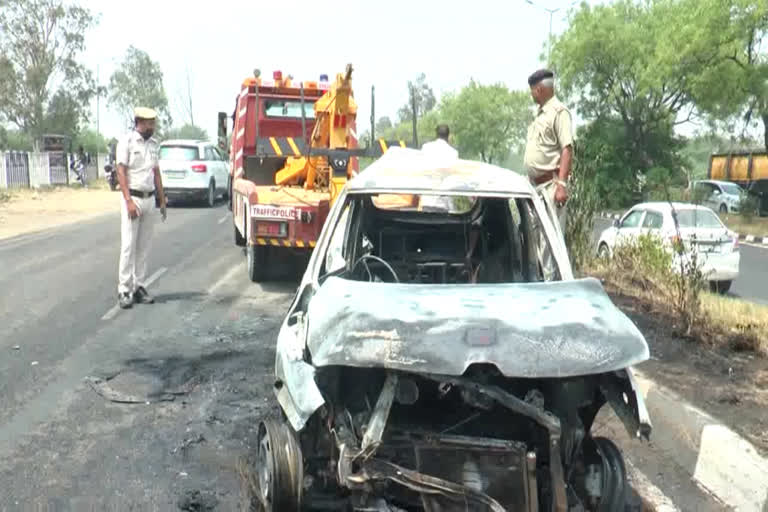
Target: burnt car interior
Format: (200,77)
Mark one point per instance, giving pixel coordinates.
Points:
(486,240)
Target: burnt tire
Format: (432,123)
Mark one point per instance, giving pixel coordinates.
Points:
(615,487)
(279,464)
(257,261)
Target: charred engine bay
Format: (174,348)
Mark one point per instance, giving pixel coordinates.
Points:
(416,442)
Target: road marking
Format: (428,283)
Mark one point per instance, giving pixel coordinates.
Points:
(218,284)
(109,315)
(223,219)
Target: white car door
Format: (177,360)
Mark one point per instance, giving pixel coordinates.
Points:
(223,168)
(629,227)
(652,223)
(214,164)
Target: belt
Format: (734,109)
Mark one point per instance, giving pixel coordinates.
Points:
(550,175)
(140,193)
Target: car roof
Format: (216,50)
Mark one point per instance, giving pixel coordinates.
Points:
(404,170)
(717,182)
(183,142)
(666,207)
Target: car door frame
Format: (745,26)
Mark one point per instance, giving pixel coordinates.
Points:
(626,235)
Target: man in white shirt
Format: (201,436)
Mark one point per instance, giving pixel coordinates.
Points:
(444,155)
(140,183)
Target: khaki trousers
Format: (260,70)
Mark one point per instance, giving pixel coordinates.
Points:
(135,243)
(558,216)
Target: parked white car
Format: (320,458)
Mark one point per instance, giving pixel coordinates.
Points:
(701,230)
(721,196)
(193,169)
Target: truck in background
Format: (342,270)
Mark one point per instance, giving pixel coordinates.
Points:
(293,148)
(749,169)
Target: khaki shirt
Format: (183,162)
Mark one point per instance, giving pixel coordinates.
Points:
(140,157)
(549,133)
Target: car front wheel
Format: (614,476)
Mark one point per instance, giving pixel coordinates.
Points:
(723,208)
(602,252)
(721,287)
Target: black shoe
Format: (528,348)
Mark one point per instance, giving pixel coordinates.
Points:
(125,301)
(140,296)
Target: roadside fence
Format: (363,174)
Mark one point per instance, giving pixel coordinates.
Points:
(20,169)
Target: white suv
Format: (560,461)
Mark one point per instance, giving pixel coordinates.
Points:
(193,169)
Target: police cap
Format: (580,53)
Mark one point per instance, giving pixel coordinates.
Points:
(539,75)
(144,113)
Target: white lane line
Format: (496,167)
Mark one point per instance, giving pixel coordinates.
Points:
(218,284)
(116,308)
(223,219)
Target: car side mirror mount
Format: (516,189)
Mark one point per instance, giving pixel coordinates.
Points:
(616,223)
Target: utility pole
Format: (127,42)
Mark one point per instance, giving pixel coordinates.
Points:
(551,15)
(414,113)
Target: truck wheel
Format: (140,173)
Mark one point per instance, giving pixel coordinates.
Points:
(239,239)
(721,287)
(723,208)
(258,262)
(228,193)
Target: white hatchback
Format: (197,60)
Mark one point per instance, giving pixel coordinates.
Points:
(193,169)
(701,230)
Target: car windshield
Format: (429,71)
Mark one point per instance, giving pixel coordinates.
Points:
(434,239)
(731,188)
(698,219)
(179,153)
(288,108)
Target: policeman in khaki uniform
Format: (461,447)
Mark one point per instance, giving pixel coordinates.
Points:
(142,189)
(548,157)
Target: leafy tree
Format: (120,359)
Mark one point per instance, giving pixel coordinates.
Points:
(736,84)
(42,86)
(14,140)
(487,120)
(139,82)
(187,131)
(425,99)
(92,142)
(635,62)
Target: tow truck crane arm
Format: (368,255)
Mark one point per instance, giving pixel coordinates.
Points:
(333,110)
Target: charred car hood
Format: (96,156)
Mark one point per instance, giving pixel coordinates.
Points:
(537,330)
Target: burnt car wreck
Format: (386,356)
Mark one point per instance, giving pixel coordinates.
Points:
(426,366)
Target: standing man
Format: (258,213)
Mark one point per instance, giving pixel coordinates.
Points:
(441,150)
(548,157)
(140,182)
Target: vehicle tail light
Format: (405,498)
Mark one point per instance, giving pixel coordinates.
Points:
(199,168)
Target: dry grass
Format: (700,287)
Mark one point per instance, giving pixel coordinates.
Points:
(28,210)
(757,226)
(744,324)
(722,322)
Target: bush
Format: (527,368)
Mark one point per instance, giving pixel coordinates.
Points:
(583,204)
(748,207)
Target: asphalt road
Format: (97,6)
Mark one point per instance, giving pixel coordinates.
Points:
(151,408)
(752,283)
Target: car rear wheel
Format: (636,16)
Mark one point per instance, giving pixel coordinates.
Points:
(721,287)
(258,262)
(211,200)
(723,208)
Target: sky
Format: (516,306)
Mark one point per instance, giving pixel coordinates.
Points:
(388,43)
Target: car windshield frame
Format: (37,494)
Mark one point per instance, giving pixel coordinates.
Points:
(731,189)
(341,221)
(177,148)
(689,218)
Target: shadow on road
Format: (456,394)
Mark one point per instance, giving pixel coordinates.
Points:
(164,298)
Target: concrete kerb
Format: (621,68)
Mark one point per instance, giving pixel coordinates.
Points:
(717,458)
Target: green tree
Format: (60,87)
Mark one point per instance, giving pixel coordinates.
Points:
(92,142)
(487,120)
(636,62)
(425,99)
(736,83)
(139,82)
(187,131)
(42,85)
